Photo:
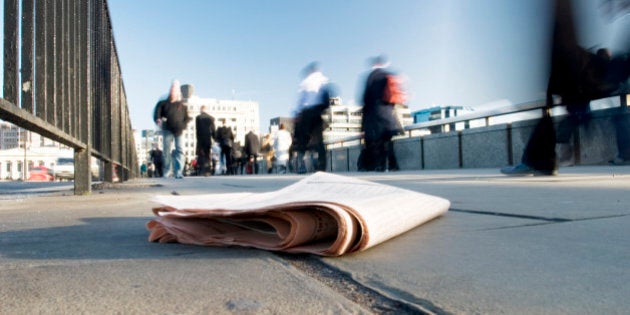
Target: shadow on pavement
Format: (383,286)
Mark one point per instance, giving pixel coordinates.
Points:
(105,238)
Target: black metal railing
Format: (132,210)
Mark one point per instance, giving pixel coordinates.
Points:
(62,79)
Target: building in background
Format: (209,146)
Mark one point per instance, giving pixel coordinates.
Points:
(241,116)
(10,136)
(439,113)
(145,139)
(341,121)
(19,147)
(344,121)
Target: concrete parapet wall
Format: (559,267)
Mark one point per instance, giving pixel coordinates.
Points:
(598,141)
(441,151)
(409,153)
(485,147)
(353,153)
(344,159)
(490,147)
(339,160)
(520,133)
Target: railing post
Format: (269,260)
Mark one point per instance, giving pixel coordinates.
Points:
(41,39)
(347,159)
(460,149)
(510,150)
(11,42)
(82,172)
(50,42)
(421,152)
(82,158)
(27,55)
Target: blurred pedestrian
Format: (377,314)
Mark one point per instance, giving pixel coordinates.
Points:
(281,145)
(577,77)
(205,130)
(225,138)
(157,160)
(172,117)
(216,158)
(267,152)
(379,123)
(143,170)
(252,151)
(150,170)
(238,159)
(313,100)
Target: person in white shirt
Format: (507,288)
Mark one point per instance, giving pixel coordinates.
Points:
(313,100)
(281,146)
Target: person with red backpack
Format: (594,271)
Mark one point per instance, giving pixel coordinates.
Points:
(379,124)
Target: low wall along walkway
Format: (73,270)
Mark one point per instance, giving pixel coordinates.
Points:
(488,147)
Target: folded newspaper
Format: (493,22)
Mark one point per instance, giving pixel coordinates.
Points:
(323,214)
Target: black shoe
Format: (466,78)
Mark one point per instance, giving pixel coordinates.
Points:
(525,170)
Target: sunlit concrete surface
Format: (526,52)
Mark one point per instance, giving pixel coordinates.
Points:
(510,245)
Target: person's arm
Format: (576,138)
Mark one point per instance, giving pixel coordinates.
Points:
(187,118)
(212,128)
(198,127)
(158,113)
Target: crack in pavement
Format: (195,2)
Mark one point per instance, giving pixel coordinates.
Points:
(342,283)
(534,217)
(512,215)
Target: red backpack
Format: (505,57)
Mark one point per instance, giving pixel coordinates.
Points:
(393,93)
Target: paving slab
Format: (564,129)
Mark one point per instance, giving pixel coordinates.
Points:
(539,245)
(90,255)
(536,245)
(576,267)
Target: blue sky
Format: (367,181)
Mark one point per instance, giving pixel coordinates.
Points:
(453,52)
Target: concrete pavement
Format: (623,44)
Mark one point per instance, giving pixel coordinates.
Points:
(535,245)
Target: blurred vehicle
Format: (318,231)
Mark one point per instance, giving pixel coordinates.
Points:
(41,174)
(64,169)
(115,177)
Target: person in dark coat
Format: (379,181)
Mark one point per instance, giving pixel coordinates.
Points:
(225,138)
(172,118)
(577,77)
(379,122)
(157,159)
(238,159)
(205,129)
(252,150)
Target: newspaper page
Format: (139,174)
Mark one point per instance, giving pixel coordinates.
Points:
(323,214)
